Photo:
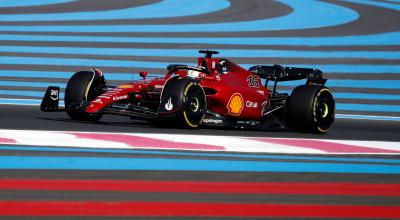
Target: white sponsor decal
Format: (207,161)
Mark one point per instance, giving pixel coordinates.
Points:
(117,98)
(159,86)
(103,97)
(250,104)
(169,106)
(98,101)
(54,95)
(213,121)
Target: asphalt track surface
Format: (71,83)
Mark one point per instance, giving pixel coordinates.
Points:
(31,118)
(31,59)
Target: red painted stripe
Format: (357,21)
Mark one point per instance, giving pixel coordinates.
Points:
(145,142)
(164,209)
(7,140)
(326,146)
(354,189)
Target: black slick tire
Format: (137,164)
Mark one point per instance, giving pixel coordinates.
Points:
(189,101)
(311,108)
(81,88)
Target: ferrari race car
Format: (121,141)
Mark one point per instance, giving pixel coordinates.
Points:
(215,93)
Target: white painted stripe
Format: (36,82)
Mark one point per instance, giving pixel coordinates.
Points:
(387,145)
(229,144)
(59,139)
(368,117)
(235,144)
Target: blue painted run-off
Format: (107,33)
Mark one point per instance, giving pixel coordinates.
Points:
(234,53)
(109,75)
(25,3)
(162,9)
(337,68)
(33,102)
(340,95)
(382,4)
(36,94)
(306,14)
(376,84)
(163,164)
(199,154)
(391,38)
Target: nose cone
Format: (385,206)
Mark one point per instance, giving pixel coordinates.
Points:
(117,94)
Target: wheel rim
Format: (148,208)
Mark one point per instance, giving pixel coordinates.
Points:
(325,111)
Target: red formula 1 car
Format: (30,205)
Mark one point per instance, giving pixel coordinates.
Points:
(216,93)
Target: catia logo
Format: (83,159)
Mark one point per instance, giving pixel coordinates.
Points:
(250,104)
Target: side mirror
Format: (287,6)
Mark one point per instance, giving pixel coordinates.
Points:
(143,74)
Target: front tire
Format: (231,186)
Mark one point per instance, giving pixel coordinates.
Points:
(188,100)
(311,108)
(83,86)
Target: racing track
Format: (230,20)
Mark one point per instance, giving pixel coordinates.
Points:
(120,169)
(31,118)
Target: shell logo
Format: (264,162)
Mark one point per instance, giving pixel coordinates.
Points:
(235,104)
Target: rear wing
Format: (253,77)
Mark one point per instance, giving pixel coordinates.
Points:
(279,73)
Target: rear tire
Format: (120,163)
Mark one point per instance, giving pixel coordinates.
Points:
(83,86)
(311,108)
